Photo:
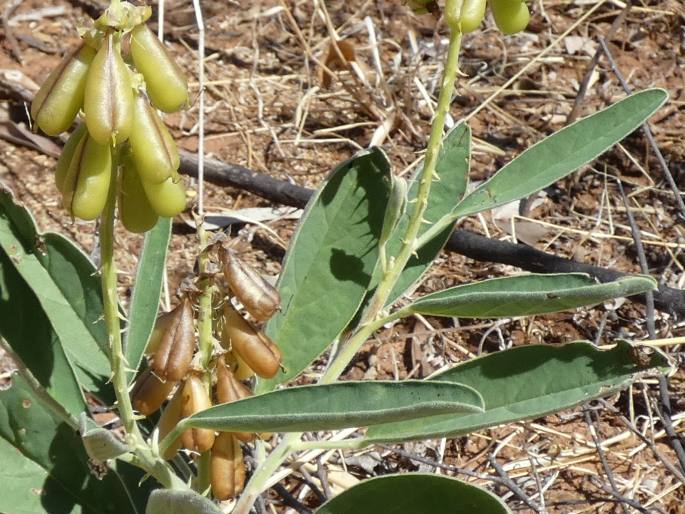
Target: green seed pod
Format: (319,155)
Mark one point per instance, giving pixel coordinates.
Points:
(511,16)
(168,198)
(61,96)
(472,14)
(154,150)
(259,298)
(108,99)
(172,359)
(135,211)
(66,156)
(165,83)
(87,180)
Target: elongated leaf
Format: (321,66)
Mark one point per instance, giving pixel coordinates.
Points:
(65,286)
(529,382)
(414,493)
(44,466)
(28,332)
(452,169)
(329,265)
(146,294)
(563,152)
(527,294)
(339,405)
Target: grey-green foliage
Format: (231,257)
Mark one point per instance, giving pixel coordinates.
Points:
(414,493)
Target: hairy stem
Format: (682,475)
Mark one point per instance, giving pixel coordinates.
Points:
(374,318)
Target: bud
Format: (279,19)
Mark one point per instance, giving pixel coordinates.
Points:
(258,296)
(67,155)
(167,198)
(135,211)
(258,351)
(154,150)
(108,98)
(87,180)
(174,353)
(165,83)
(149,392)
(61,96)
(100,444)
(196,399)
(170,417)
(175,501)
(229,389)
(511,16)
(395,208)
(227,467)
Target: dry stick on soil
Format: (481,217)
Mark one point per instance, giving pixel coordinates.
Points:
(504,476)
(665,410)
(467,243)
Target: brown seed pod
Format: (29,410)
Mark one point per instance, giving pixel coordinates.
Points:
(258,351)
(149,392)
(229,389)
(174,352)
(195,398)
(241,371)
(170,417)
(258,296)
(227,467)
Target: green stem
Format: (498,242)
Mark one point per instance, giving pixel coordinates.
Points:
(373,320)
(143,456)
(428,174)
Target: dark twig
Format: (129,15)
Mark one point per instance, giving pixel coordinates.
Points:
(290,500)
(512,485)
(9,34)
(603,460)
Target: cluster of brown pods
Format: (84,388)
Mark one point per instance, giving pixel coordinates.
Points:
(117,78)
(243,351)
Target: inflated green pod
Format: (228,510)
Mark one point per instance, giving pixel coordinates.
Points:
(154,150)
(61,96)
(165,82)
(67,154)
(167,198)
(108,98)
(511,16)
(472,14)
(135,211)
(86,183)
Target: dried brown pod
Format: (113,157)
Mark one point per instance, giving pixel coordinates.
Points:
(258,351)
(170,417)
(227,467)
(195,398)
(174,353)
(229,389)
(149,392)
(258,296)
(241,371)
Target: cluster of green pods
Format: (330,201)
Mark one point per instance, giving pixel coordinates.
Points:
(120,140)
(511,16)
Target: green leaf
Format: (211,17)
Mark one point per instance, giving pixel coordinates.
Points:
(413,493)
(528,382)
(66,288)
(563,152)
(452,169)
(525,295)
(34,344)
(339,405)
(44,466)
(169,501)
(145,301)
(332,256)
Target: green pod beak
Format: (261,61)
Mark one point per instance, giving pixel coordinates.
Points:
(166,84)
(135,211)
(87,180)
(61,96)
(108,98)
(154,150)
